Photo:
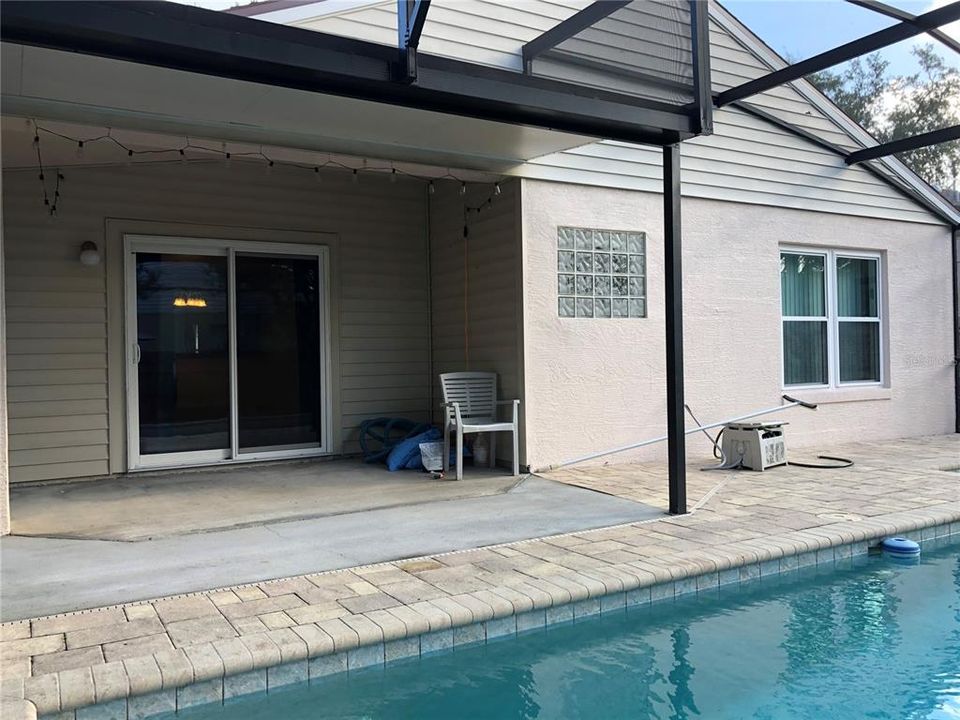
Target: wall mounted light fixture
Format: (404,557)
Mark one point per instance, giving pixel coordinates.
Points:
(89,254)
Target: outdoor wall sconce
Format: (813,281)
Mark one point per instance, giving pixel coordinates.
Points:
(89,254)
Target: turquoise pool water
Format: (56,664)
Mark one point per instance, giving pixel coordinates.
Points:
(869,639)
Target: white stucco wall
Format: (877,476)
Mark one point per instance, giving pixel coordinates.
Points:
(593,384)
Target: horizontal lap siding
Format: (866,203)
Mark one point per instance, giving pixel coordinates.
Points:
(747,160)
(490,313)
(57,345)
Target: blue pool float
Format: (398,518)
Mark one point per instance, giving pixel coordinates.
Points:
(901,547)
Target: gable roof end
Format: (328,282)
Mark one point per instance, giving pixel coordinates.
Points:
(890,169)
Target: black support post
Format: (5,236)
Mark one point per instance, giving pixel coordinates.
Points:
(955,249)
(673,288)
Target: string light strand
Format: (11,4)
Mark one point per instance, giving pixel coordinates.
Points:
(179,152)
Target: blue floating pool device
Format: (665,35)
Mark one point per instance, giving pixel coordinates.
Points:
(900,547)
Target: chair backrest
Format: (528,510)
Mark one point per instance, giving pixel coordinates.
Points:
(475,391)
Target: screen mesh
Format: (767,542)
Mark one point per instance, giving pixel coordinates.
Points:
(642,49)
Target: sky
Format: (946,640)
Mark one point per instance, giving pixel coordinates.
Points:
(798,29)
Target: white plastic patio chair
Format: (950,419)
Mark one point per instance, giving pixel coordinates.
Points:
(470,406)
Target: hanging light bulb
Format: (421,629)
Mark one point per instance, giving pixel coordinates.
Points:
(496,188)
(183,155)
(129,157)
(356,176)
(431,188)
(79,150)
(393,175)
(36,141)
(228,160)
(316,174)
(463,188)
(269,167)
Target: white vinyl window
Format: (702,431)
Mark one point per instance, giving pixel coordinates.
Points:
(831,305)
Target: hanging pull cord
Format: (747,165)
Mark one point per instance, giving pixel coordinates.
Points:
(466,291)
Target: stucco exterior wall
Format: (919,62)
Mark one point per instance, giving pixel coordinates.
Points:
(593,384)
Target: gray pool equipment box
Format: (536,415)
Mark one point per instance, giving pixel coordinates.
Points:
(758,446)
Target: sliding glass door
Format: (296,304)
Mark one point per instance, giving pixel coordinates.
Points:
(278,347)
(227,354)
(183,383)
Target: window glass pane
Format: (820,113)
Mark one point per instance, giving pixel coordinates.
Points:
(802,285)
(859,352)
(805,352)
(856,287)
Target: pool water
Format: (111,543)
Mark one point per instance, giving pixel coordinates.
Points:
(870,638)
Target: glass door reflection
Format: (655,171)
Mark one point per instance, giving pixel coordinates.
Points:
(183,380)
(278,352)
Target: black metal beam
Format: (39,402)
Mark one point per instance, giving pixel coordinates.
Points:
(568,28)
(411,15)
(192,39)
(700,45)
(897,13)
(848,51)
(934,137)
(673,291)
(907,190)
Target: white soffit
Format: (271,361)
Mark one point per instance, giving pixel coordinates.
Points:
(71,87)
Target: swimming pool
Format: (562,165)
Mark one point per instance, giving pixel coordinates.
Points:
(870,638)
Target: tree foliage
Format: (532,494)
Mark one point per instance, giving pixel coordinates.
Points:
(895,107)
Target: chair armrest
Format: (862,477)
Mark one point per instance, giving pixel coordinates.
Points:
(456,410)
(516,407)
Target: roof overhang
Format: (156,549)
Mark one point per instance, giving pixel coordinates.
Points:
(131,59)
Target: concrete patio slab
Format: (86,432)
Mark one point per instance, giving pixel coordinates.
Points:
(743,526)
(162,504)
(41,576)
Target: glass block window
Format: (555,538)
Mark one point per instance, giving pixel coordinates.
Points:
(601,273)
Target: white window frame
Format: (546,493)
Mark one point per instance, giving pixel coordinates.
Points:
(833,319)
(134,243)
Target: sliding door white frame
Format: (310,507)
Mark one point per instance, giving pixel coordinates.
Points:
(229,249)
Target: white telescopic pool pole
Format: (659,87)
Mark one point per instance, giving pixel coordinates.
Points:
(791,402)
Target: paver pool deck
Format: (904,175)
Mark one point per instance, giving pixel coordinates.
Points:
(174,652)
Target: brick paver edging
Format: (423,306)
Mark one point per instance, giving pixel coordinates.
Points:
(208,672)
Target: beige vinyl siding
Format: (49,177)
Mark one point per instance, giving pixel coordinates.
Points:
(62,422)
(487,32)
(747,160)
(476,322)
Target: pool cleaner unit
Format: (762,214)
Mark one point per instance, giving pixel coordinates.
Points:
(754,446)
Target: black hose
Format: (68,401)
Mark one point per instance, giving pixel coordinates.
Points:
(845,463)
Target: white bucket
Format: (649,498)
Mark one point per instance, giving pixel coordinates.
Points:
(481,451)
(431,455)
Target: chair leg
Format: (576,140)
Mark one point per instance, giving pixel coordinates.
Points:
(493,449)
(516,453)
(446,449)
(459,453)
